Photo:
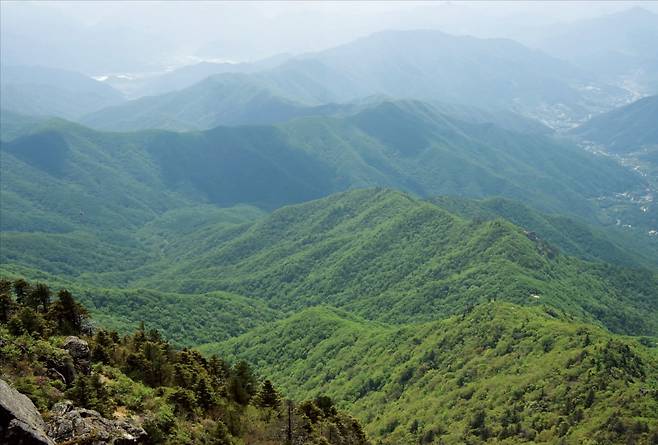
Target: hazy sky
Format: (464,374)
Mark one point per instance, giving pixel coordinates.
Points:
(161,33)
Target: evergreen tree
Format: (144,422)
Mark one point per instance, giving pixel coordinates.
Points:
(268,396)
(242,383)
(5,286)
(156,367)
(21,290)
(40,296)
(80,393)
(326,405)
(27,321)
(100,352)
(204,394)
(68,313)
(7,306)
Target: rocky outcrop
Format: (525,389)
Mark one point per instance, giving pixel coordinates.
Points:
(78,425)
(20,422)
(79,350)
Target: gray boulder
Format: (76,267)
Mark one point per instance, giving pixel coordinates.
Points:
(79,425)
(20,422)
(79,350)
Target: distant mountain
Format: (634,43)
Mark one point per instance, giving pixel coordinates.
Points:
(494,74)
(43,91)
(230,99)
(50,36)
(618,48)
(405,145)
(13,124)
(500,373)
(626,129)
(432,65)
(188,75)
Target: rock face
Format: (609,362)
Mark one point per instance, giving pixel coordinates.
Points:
(20,422)
(78,425)
(79,350)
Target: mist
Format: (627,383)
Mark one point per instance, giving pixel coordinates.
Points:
(141,38)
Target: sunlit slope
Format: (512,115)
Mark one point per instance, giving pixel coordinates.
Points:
(386,256)
(571,235)
(500,373)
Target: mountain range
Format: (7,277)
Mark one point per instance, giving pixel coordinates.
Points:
(41,91)
(445,239)
(624,57)
(438,67)
(407,145)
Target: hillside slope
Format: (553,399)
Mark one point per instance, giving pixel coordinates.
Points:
(497,374)
(401,144)
(386,256)
(626,129)
(230,99)
(571,235)
(429,64)
(53,92)
(93,386)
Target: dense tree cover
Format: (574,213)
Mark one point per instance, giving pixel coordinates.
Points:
(625,129)
(613,245)
(179,396)
(381,254)
(387,256)
(497,373)
(110,213)
(187,320)
(413,146)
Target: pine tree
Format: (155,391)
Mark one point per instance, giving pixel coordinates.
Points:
(7,306)
(101,350)
(21,290)
(5,286)
(68,313)
(268,397)
(204,394)
(242,383)
(40,296)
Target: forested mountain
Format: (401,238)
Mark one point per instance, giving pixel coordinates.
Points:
(83,380)
(377,253)
(44,91)
(437,66)
(626,129)
(240,99)
(499,373)
(420,238)
(570,235)
(218,100)
(403,144)
(430,64)
(386,256)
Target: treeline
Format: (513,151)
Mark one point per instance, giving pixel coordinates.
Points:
(29,309)
(182,396)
